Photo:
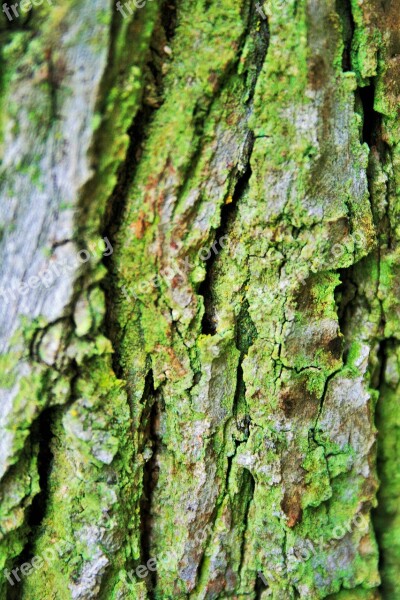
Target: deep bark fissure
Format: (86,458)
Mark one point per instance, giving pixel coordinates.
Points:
(44,436)
(372,120)
(229,210)
(169,18)
(382,355)
(345,295)
(259,586)
(41,437)
(149,425)
(137,133)
(203,107)
(344,10)
(249,485)
(54,82)
(116,205)
(115,210)
(228,215)
(372,136)
(244,333)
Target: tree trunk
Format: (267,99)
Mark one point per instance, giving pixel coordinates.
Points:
(200,300)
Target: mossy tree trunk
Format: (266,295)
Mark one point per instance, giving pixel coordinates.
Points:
(210,394)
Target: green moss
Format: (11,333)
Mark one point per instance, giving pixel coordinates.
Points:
(234,392)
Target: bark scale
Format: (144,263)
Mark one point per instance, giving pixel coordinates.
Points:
(211,394)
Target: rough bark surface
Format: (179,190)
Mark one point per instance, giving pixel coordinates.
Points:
(221,393)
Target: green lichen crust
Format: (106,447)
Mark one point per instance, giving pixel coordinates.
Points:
(213,398)
(267,438)
(280,469)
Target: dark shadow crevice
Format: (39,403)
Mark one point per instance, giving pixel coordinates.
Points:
(41,439)
(372,120)
(343,8)
(150,428)
(228,215)
(242,175)
(138,133)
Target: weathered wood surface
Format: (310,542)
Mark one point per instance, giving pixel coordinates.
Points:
(206,389)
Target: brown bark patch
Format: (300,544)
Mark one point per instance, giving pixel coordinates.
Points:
(317,75)
(291,506)
(298,400)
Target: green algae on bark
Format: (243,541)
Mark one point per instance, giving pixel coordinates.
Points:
(216,409)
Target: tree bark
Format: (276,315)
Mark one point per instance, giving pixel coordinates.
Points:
(200,310)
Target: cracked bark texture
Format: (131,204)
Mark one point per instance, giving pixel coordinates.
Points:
(222,393)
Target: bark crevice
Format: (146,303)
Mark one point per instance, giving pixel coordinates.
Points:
(228,215)
(149,427)
(41,439)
